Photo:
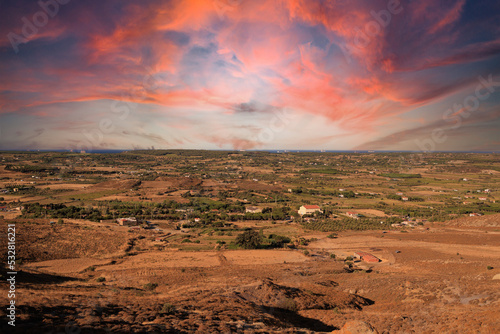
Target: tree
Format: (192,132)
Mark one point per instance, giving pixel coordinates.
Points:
(249,239)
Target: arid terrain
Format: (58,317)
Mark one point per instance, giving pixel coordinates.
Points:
(428,281)
(183,270)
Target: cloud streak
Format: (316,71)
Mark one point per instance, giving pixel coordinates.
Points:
(210,67)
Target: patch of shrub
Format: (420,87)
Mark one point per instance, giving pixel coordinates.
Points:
(278,240)
(288,304)
(167,308)
(249,239)
(150,286)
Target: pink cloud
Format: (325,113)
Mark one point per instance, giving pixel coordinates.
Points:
(209,56)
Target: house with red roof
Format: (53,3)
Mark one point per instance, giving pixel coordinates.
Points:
(367,257)
(354,215)
(308,209)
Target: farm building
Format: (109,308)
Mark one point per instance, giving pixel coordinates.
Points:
(308,209)
(367,257)
(131,221)
(351,214)
(253,209)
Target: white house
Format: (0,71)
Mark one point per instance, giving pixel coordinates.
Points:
(354,215)
(131,221)
(308,209)
(253,209)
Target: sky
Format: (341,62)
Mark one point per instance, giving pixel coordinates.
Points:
(419,75)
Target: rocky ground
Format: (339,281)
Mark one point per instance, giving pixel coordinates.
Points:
(429,281)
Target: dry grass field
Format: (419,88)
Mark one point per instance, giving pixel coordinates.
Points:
(184,269)
(97,279)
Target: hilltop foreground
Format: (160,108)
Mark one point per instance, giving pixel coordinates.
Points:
(437,281)
(433,263)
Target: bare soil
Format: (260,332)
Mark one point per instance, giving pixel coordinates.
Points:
(105,279)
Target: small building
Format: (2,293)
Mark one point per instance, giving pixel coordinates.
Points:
(309,209)
(354,215)
(253,209)
(367,257)
(131,221)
